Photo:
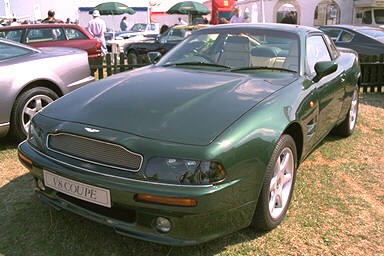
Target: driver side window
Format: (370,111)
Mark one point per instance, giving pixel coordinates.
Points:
(316,51)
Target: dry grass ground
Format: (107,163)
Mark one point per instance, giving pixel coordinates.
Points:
(337,209)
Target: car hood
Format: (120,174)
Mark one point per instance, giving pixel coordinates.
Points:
(131,33)
(171,104)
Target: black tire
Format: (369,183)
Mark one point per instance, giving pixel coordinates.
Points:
(132,57)
(263,219)
(348,125)
(20,116)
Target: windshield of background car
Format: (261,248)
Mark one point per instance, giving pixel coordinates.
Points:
(375,33)
(138,27)
(379,16)
(238,49)
(175,34)
(226,15)
(8,51)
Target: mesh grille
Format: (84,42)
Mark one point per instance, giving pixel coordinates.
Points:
(116,212)
(98,152)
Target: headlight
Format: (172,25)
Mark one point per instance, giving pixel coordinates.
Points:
(35,136)
(186,172)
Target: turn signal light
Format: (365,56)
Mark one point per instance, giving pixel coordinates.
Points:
(186,202)
(25,160)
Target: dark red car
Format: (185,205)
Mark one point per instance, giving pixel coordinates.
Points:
(53,34)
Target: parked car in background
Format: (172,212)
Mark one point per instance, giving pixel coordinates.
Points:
(137,52)
(119,43)
(205,142)
(139,32)
(140,29)
(364,40)
(32,78)
(54,34)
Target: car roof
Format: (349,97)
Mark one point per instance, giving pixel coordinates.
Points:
(273,26)
(43,25)
(351,27)
(191,27)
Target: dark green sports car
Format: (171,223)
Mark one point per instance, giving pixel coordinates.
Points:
(205,142)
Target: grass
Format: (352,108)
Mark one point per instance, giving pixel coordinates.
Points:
(337,208)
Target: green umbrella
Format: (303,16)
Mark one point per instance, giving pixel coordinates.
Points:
(190,8)
(112,8)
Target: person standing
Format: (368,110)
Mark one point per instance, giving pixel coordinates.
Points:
(236,18)
(97,28)
(14,22)
(181,22)
(123,24)
(50,18)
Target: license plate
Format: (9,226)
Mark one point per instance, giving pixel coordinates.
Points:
(76,189)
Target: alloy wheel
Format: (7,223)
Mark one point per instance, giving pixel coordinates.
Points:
(281,183)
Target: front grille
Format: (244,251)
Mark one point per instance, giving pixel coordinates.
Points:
(116,212)
(95,151)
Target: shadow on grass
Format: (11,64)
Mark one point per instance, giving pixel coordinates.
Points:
(372,99)
(30,227)
(7,143)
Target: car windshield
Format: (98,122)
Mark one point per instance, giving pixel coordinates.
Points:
(249,50)
(138,27)
(375,33)
(379,16)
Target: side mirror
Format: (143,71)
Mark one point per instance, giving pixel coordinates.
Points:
(154,57)
(324,68)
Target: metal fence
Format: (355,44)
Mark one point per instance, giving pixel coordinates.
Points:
(372,73)
(371,80)
(111,64)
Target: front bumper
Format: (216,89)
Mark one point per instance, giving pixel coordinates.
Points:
(214,216)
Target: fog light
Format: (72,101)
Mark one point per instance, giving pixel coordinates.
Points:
(40,184)
(163,224)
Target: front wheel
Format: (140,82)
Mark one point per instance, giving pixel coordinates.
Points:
(279,180)
(26,106)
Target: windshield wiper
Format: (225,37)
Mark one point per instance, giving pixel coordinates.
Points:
(199,63)
(263,67)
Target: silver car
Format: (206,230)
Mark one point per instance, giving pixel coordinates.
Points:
(31,78)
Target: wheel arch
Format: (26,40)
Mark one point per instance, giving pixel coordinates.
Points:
(128,49)
(18,129)
(41,83)
(33,84)
(295,131)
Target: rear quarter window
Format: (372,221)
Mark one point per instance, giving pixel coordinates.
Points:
(74,34)
(346,37)
(14,35)
(11,51)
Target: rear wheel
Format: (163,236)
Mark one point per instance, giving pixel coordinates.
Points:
(278,185)
(132,57)
(26,106)
(347,127)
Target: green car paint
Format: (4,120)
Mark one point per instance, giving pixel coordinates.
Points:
(234,118)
